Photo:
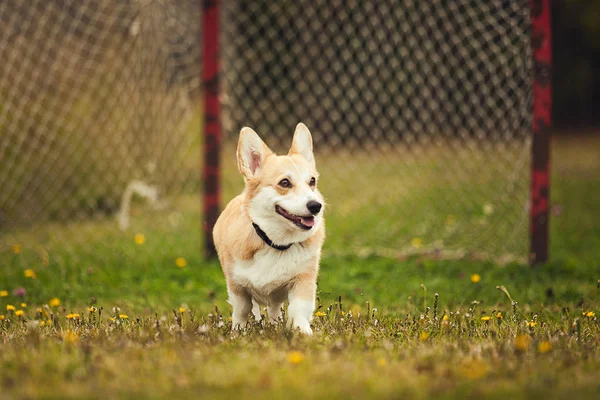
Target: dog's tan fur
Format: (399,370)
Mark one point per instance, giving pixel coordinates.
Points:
(240,248)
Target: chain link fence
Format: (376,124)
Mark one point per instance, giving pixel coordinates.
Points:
(420,114)
(99,108)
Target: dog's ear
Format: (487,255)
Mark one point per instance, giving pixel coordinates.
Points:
(251,153)
(302,143)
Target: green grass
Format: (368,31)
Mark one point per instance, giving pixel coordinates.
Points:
(404,349)
(361,355)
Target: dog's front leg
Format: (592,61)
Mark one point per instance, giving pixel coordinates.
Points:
(241,301)
(302,302)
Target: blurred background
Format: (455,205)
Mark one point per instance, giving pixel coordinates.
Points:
(576,44)
(420,112)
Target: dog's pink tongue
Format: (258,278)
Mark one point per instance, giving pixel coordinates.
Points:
(308,221)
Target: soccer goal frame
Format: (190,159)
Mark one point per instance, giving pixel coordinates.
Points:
(540,36)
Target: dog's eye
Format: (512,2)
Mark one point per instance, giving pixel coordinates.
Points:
(313,181)
(285,183)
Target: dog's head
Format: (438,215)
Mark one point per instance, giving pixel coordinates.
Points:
(281,191)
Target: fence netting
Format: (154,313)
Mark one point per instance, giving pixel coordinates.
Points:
(99,122)
(420,113)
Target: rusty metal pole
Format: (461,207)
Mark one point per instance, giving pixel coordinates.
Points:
(211,173)
(540,152)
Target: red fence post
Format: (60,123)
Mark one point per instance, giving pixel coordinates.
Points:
(540,151)
(212,121)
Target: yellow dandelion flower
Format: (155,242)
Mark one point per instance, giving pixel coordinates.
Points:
(112,319)
(295,357)
(54,302)
(319,314)
(181,310)
(123,316)
(49,322)
(180,262)
(423,336)
(589,314)
(39,310)
(92,309)
(23,305)
(342,313)
(488,209)
(42,323)
(19,313)
(16,249)
(475,278)
(1,317)
(10,307)
(416,242)
(382,362)
(445,317)
(229,319)
(3,293)
(29,273)
(73,316)
(71,336)
(544,346)
(486,318)
(474,369)
(139,238)
(522,342)
(499,315)
(531,324)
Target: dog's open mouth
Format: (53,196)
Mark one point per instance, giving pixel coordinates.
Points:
(305,223)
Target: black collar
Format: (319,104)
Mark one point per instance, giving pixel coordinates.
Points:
(268,241)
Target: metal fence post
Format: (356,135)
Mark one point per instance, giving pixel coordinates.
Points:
(212,121)
(542,106)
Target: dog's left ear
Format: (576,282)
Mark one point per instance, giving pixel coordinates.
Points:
(302,143)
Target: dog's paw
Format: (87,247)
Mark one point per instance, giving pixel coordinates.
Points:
(238,325)
(303,327)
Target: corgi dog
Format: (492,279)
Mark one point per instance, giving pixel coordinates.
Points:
(269,238)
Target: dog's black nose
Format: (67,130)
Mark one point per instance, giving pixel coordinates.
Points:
(314,206)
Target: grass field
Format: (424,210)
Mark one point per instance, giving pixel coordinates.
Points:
(159,323)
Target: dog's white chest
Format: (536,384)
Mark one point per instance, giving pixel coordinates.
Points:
(271,267)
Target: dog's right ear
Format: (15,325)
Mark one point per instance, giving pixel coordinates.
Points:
(251,153)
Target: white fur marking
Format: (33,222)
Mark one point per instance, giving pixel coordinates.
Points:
(295,166)
(272,267)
